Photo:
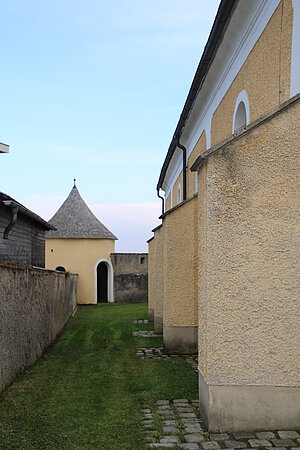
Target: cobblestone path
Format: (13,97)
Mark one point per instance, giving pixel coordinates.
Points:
(175,424)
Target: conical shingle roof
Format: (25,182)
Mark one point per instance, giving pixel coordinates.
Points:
(74,219)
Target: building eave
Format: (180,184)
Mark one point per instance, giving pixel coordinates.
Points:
(221,22)
(26,212)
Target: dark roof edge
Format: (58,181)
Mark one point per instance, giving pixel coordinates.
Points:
(221,21)
(26,212)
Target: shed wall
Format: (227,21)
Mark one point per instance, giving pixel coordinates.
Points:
(25,243)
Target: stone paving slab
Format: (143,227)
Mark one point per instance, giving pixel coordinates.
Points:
(145,334)
(139,321)
(175,424)
(158,353)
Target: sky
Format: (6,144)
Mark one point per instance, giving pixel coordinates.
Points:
(94,89)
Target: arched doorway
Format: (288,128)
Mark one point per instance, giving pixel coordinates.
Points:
(102,282)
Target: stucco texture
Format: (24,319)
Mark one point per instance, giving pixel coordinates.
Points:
(249,240)
(35,305)
(270,55)
(79,256)
(180,265)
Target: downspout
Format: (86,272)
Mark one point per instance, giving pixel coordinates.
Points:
(182,147)
(163,201)
(14,214)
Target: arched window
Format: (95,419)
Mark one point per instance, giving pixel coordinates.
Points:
(60,269)
(241,116)
(179,194)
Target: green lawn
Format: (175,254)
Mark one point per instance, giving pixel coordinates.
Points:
(86,392)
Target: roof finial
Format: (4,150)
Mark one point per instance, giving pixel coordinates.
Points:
(74,183)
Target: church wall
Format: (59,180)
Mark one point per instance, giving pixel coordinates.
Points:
(200,147)
(249,193)
(265,74)
(180,264)
(178,182)
(79,256)
(168,203)
(159,279)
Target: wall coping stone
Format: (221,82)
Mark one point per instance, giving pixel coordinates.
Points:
(9,265)
(184,202)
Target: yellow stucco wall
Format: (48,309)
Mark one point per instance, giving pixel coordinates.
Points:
(265,74)
(249,240)
(151,275)
(198,149)
(79,256)
(180,265)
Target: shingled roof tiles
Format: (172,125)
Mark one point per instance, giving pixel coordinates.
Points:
(74,219)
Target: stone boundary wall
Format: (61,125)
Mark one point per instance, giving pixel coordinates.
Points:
(35,304)
(130,277)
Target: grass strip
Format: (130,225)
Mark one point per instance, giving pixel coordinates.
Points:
(86,392)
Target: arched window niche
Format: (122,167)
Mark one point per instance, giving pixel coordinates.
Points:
(179,194)
(196,182)
(241,116)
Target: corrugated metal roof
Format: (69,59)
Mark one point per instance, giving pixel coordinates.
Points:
(74,219)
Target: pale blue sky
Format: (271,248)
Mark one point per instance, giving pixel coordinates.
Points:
(94,89)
